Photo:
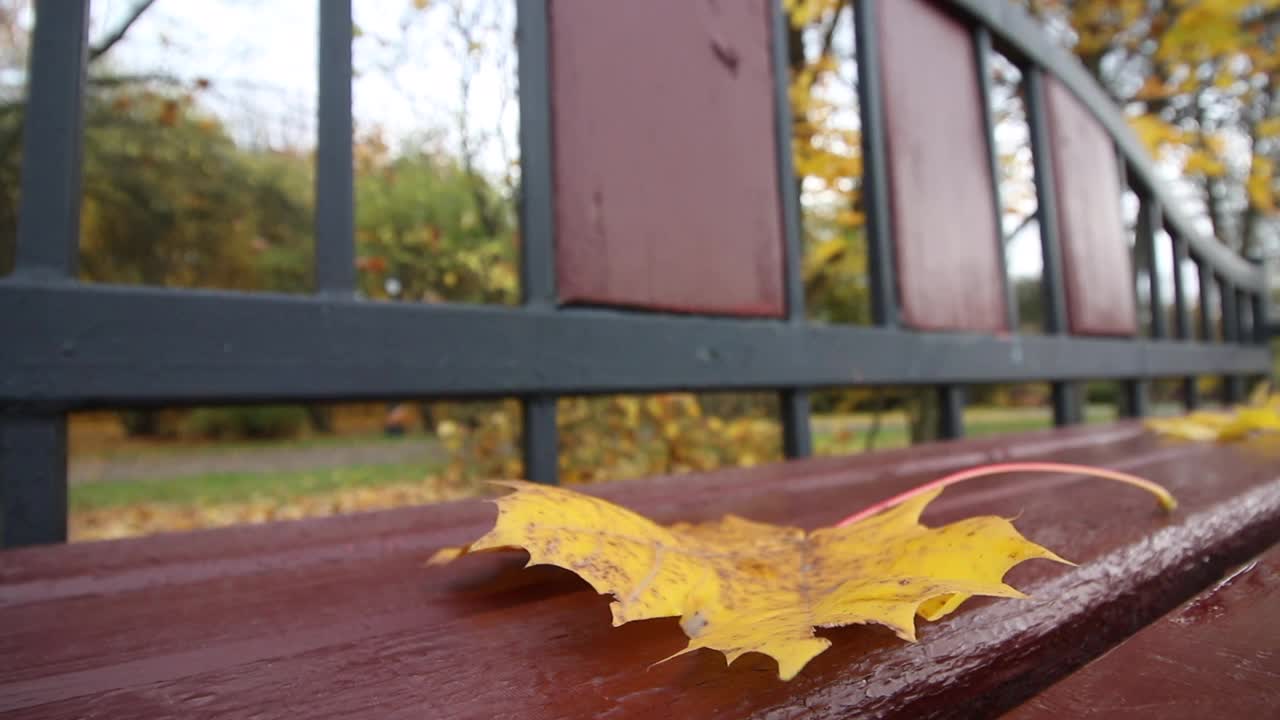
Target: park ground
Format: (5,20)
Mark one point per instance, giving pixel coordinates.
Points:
(122,487)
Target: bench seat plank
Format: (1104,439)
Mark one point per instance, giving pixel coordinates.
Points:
(1218,655)
(337,617)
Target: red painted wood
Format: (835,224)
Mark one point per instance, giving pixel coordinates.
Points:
(666,179)
(1097,267)
(945,236)
(338,618)
(1217,655)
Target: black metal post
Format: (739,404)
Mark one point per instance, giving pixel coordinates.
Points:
(1232,384)
(1244,317)
(1135,401)
(951,401)
(33,441)
(335,185)
(1207,332)
(983,52)
(1150,222)
(1066,402)
(797,437)
(1182,315)
(537,220)
(1181,312)
(1261,323)
(875,172)
(33,470)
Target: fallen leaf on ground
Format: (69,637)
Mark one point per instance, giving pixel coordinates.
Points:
(740,586)
(153,517)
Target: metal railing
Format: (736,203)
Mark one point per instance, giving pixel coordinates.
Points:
(69,346)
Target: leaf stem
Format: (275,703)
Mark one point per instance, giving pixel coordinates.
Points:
(1166,499)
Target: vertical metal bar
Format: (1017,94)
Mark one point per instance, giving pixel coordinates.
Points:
(1232,389)
(49,215)
(983,52)
(1135,402)
(1227,300)
(1259,300)
(1182,316)
(951,401)
(537,171)
(540,438)
(1244,317)
(1066,400)
(33,443)
(33,479)
(1055,309)
(537,219)
(1232,385)
(1207,333)
(875,175)
(797,438)
(1181,313)
(335,185)
(1150,222)
(1191,392)
(1261,334)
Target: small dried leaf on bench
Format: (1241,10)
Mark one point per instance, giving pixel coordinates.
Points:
(740,586)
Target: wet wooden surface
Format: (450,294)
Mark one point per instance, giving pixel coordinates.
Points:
(666,180)
(1097,267)
(1216,656)
(946,242)
(338,617)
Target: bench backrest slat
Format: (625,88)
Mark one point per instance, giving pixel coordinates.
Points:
(950,265)
(1096,264)
(666,175)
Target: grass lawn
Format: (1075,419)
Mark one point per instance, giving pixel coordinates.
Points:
(833,435)
(226,488)
(979,422)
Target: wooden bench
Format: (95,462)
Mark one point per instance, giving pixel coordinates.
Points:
(338,617)
(643,270)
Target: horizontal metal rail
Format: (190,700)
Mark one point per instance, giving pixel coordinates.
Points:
(76,346)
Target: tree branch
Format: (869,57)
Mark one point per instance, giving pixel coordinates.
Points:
(110,41)
(1021,226)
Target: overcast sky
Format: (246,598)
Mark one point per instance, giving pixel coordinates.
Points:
(261,57)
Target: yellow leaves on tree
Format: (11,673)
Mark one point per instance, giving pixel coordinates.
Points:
(1261,184)
(1200,162)
(740,586)
(1207,29)
(1156,134)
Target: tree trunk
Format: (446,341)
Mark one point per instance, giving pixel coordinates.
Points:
(320,417)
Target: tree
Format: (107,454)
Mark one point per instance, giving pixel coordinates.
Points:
(435,230)
(1200,81)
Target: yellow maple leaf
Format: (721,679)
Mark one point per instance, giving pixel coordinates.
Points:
(741,586)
